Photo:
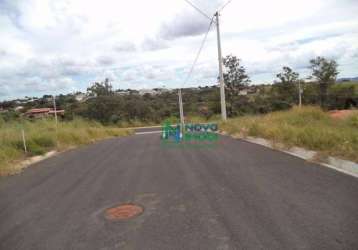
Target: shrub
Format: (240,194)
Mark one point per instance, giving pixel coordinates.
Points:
(41,137)
(307,127)
(44,141)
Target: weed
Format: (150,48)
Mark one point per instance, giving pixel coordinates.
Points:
(307,127)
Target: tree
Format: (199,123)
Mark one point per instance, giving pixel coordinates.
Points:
(286,87)
(288,76)
(235,79)
(325,72)
(100,88)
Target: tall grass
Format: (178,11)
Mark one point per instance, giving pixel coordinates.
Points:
(190,118)
(307,127)
(42,136)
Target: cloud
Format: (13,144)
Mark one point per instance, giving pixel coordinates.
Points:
(147,72)
(125,47)
(105,60)
(2,53)
(154,44)
(184,26)
(59,46)
(189,22)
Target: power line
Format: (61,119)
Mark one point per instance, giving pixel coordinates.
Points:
(222,7)
(198,53)
(182,119)
(199,10)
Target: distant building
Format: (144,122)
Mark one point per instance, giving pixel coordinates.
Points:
(80,97)
(161,90)
(243,92)
(123,92)
(147,91)
(25,100)
(155,91)
(43,112)
(18,108)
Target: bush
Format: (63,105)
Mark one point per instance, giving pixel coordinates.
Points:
(44,141)
(35,149)
(41,137)
(307,127)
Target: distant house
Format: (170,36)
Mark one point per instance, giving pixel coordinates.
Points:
(43,112)
(19,108)
(80,97)
(123,92)
(249,90)
(155,91)
(147,91)
(161,90)
(25,100)
(243,92)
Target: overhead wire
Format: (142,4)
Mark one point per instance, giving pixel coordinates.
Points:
(224,5)
(206,34)
(198,9)
(198,53)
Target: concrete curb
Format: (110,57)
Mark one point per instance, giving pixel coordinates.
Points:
(343,166)
(32,160)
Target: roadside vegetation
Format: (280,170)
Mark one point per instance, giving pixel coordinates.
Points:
(266,110)
(133,108)
(41,137)
(308,127)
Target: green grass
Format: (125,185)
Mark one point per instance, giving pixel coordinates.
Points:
(190,118)
(308,127)
(41,137)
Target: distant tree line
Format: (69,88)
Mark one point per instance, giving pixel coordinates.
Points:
(318,89)
(109,106)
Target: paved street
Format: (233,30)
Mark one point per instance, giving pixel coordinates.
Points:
(236,195)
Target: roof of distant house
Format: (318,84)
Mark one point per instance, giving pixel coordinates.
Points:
(40,110)
(43,110)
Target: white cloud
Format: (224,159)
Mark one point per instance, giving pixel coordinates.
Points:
(60,46)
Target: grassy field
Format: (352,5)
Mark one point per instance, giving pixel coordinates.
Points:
(41,137)
(308,127)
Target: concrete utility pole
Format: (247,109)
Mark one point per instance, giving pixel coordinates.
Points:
(54,108)
(181,112)
(221,76)
(299,94)
(24,140)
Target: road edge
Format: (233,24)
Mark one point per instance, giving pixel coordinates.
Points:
(20,165)
(343,166)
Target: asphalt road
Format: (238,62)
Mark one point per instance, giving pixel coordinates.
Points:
(236,195)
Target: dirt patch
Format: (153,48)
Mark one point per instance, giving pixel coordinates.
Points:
(123,212)
(341,114)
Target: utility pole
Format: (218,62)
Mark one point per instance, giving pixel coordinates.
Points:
(24,140)
(181,112)
(55,110)
(221,76)
(299,94)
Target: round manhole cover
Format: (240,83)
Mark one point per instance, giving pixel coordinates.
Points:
(122,212)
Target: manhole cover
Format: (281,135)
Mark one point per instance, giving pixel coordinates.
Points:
(122,212)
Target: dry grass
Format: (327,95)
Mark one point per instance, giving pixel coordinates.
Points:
(307,127)
(41,137)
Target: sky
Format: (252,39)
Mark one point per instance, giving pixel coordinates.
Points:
(53,47)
